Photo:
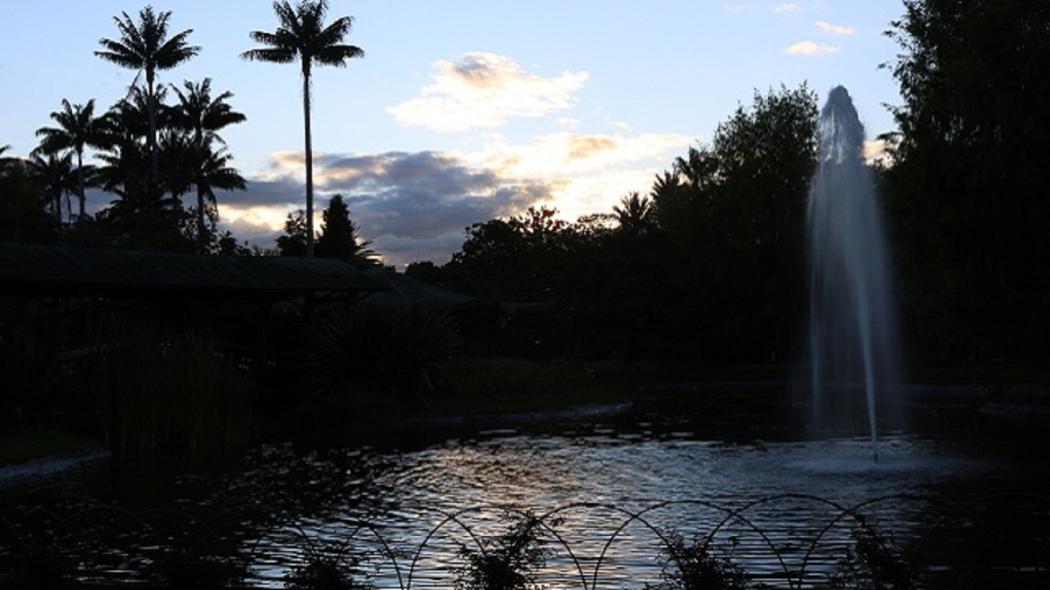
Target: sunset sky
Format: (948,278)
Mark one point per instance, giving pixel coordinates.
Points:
(463,111)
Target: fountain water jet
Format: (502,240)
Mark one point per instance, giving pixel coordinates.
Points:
(852,329)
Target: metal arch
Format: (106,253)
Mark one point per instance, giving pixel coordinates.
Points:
(364,524)
(453,517)
(542,520)
(670,548)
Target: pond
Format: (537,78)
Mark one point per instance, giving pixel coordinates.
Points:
(612,483)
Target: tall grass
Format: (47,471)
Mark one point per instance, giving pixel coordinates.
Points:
(164,391)
(28,362)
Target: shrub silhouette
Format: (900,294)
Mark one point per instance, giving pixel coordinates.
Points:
(509,561)
(694,566)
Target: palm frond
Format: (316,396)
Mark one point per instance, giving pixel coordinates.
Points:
(334,32)
(119,54)
(288,16)
(337,55)
(175,51)
(268,54)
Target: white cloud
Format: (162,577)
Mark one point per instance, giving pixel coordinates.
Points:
(827,27)
(485,90)
(809,48)
(877,151)
(787,7)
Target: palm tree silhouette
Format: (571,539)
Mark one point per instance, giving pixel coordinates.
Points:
(302,33)
(146,47)
(211,170)
(203,116)
(77,127)
(5,161)
(54,174)
(634,213)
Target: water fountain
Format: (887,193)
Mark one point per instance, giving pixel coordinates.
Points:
(852,328)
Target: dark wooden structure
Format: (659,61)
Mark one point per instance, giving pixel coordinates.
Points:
(75,272)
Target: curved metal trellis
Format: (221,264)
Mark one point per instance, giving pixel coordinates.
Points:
(548,523)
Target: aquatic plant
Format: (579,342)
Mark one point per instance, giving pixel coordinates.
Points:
(327,568)
(871,564)
(508,561)
(694,565)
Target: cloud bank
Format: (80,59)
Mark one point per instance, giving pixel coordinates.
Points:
(416,205)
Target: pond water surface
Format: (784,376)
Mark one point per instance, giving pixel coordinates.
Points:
(610,486)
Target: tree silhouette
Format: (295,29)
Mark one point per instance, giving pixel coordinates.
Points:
(339,236)
(77,127)
(6,161)
(211,170)
(302,34)
(146,47)
(54,174)
(293,241)
(23,217)
(634,214)
(203,117)
(966,193)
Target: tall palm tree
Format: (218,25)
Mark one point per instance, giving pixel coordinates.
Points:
(302,34)
(146,47)
(203,117)
(54,174)
(77,128)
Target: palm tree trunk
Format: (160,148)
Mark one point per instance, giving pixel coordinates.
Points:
(80,182)
(151,115)
(309,165)
(201,235)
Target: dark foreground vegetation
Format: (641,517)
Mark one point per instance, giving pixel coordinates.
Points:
(517,549)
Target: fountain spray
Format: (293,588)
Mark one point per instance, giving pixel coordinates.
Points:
(852,329)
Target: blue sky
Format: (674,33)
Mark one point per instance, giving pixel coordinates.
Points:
(465,110)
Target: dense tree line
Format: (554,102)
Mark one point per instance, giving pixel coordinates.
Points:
(711,262)
(967,191)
